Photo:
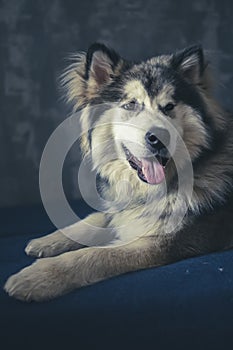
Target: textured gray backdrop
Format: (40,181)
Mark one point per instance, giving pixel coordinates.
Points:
(36,36)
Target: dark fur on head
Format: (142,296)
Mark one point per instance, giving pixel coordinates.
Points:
(101,75)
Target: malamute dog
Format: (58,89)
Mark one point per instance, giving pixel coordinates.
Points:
(159,117)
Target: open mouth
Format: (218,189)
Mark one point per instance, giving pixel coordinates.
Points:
(150,170)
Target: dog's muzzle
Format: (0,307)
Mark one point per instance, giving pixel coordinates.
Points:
(150,169)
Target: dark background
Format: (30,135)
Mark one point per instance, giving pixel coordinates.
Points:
(37,35)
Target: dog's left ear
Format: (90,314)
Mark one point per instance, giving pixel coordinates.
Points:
(190,63)
(101,64)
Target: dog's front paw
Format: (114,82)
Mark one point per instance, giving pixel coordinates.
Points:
(39,282)
(51,245)
(35,248)
(41,247)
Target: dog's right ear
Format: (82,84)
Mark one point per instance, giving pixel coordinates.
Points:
(89,73)
(101,64)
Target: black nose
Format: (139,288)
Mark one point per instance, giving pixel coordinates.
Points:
(158,139)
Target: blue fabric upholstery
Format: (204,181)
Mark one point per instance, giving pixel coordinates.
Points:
(186,305)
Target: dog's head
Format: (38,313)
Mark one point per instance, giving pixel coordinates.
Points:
(144,112)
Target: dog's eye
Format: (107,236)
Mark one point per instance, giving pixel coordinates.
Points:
(168,108)
(131,106)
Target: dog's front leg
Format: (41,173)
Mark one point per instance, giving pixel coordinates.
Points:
(68,239)
(51,277)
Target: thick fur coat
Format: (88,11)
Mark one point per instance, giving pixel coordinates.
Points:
(152,120)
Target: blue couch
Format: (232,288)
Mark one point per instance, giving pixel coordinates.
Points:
(186,305)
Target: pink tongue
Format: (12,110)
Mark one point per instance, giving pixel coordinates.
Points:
(153,171)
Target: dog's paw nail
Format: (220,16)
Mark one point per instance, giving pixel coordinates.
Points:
(34,249)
